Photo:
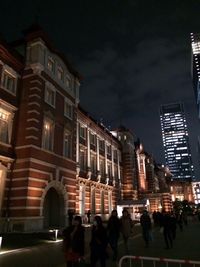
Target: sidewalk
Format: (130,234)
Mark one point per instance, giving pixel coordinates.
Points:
(186,246)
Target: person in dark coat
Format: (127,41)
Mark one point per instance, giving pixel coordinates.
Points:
(167,229)
(113,229)
(88,216)
(73,242)
(98,244)
(145,222)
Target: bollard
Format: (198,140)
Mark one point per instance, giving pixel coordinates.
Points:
(56,234)
(0,242)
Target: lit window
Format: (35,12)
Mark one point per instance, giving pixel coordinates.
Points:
(9,82)
(48,131)
(68,109)
(4,126)
(51,64)
(67,150)
(50,95)
(60,73)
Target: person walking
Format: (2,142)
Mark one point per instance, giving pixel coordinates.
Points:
(145,222)
(73,242)
(126,225)
(113,229)
(167,229)
(98,244)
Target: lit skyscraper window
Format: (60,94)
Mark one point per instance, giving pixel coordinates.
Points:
(176,141)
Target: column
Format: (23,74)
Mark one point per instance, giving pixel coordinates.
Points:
(77,150)
(88,155)
(98,163)
(112,165)
(106,164)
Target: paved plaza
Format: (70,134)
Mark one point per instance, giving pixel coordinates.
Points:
(186,246)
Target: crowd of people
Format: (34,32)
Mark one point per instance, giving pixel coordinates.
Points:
(106,238)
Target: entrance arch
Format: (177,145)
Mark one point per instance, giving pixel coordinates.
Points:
(53,209)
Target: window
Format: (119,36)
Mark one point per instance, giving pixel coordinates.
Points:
(115,155)
(102,167)
(109,150)
(48,131)
(68,82)
(115,172)
(109,171)
(82,132)
(93,164)
(67,149)
(50,94)
(101,144)
(92,139)
(68,109)
(9,82)
(60,73)
(51,64)
(4,122)
(82,159)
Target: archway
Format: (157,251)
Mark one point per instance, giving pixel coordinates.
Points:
(53,209)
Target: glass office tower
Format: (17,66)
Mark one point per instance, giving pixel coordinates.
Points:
(176,141)
(195,68)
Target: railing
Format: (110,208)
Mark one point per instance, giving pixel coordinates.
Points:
(139,261)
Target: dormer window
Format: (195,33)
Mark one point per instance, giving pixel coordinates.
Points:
(51,64)
(9,82)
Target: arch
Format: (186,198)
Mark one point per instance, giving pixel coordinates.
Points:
(54,205)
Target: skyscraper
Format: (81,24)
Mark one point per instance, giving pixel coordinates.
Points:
(195,67)
(176,141)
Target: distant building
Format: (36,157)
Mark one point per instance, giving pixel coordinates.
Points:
(176,142)
(196,192)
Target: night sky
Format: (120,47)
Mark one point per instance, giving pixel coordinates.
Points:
(134,55)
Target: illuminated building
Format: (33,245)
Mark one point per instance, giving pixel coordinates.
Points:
(195,72)
(176,142)
(195,67)
(55,158)
(196,192)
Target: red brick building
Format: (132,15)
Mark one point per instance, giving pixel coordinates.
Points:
(55,158)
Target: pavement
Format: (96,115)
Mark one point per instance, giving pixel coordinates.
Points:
(186,246)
